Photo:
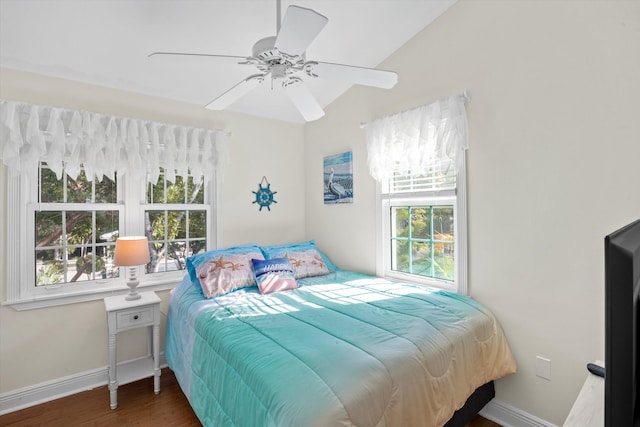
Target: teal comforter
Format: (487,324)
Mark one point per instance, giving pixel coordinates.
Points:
(343,349)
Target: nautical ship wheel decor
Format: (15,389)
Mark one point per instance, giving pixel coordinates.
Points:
(264,195)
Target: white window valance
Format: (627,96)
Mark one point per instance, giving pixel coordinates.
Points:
(103,145)
(414,141)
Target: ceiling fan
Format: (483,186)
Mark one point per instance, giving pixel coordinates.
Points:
(282,58)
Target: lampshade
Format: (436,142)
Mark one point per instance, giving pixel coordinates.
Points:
(131,251)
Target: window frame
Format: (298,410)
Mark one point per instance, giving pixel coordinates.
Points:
(168,207)
(456,197)
(32,208)
(21,201)
(183,206)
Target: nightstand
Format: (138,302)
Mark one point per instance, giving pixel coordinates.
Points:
(588,409)
(123,315)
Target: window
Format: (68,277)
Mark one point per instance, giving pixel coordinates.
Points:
(175,222)
(421,228)
(422,240)
(418,158)
(76,180)
(75,225)
(71,226)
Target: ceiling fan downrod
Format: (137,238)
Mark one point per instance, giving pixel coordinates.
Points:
(278,15)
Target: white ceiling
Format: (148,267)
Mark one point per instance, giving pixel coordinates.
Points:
(106,42)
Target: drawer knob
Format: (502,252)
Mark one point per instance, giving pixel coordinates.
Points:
(136,317)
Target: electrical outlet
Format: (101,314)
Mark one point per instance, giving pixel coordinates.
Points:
(543,367)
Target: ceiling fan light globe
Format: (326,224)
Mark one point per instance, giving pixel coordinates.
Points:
(279,72)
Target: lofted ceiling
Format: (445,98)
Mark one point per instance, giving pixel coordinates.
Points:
(107,43)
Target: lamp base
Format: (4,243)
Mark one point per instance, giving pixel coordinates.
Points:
(132,296)
(132,283)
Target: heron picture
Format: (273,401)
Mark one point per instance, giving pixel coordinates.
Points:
(338,178)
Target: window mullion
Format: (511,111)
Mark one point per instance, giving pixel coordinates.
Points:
(460,227)
(409,239)
(432,269)
(64,188)
(18,194)
(65,248)
(94,236)
(186,231)
(133,193)
(212,199)
(94,241)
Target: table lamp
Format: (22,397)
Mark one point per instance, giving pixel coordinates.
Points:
(131,252)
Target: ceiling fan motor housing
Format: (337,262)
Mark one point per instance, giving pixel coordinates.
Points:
(266,51)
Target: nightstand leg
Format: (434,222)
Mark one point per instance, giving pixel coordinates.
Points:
(113,382)
(156,358)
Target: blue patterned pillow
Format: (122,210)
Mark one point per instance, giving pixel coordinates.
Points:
(305,257)
(273,275)
(221,271)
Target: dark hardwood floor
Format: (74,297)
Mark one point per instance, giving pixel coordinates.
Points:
(137,406)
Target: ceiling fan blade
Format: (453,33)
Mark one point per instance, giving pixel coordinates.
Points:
(304,101)
(348,73)
(236,92)
(299,27)
(199,57)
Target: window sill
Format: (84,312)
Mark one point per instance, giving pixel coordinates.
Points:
(422,281)
(61,297)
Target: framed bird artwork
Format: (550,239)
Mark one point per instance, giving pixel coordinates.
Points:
(338,178)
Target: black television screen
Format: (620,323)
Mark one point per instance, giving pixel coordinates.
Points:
(622,332)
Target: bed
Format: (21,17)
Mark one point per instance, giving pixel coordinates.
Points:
(337,349)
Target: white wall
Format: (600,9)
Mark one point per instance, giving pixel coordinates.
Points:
(48,344)
(553,166)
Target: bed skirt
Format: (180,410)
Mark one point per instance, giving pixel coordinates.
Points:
(473,405)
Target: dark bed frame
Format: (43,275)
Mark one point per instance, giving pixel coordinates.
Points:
(472,406)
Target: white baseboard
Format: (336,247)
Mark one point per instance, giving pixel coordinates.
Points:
(501,413)
(509,416)
(50,390)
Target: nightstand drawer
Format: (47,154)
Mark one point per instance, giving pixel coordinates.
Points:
(134,318)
